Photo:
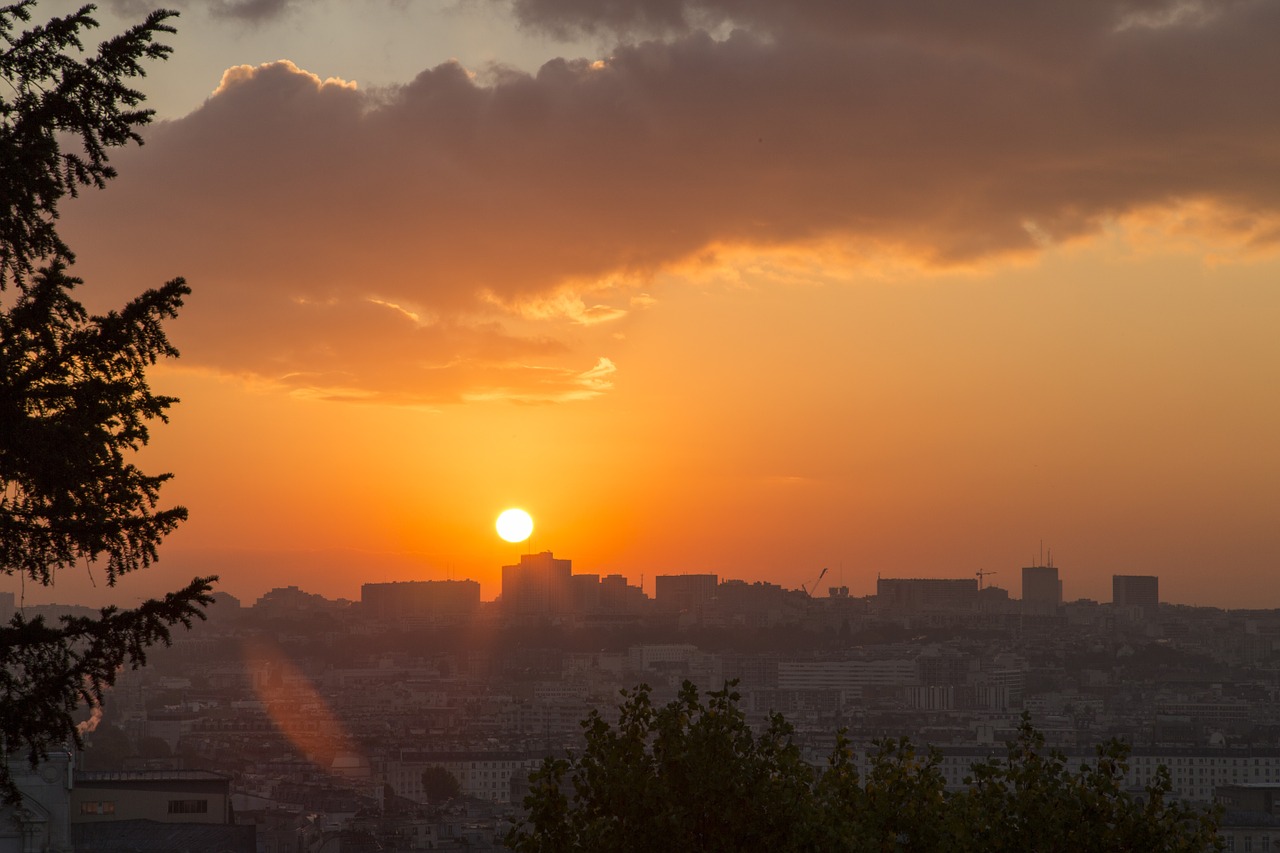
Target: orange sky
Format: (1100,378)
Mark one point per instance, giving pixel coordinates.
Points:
(751,289)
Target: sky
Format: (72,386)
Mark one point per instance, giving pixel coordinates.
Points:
(729,286)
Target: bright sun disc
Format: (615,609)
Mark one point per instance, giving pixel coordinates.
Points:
(515,525)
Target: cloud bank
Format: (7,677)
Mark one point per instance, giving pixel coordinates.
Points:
(460,237)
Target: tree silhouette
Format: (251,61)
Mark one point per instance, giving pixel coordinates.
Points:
(438,784)
(693,775)
(74,399)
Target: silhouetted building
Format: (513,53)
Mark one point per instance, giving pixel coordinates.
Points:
(617,596)
(758,604)
(420,600)
(584,593)
(1041,589)
(684,592)
(1135,590)
(993,599)
(538,585)
(926,595)
(291,601)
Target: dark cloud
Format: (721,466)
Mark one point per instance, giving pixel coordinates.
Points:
(248,11)
(1062,29)
(253,11)
(467,223)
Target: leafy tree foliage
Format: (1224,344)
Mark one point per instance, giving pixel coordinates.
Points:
(439,784)
(154,748)
(673,778)
(74,398)
(694,776)
(1050,808)
(106,748)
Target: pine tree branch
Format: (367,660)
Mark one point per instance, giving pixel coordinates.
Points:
(48,672)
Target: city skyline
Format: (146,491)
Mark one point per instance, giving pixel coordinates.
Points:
(690,589)
(569,396)
(723,290)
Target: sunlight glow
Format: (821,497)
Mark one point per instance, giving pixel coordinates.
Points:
(515,525)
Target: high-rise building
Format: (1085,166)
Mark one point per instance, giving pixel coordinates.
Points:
(676,593)
(585,593)
(1041,589)
(1135,590)
(617,596)
(538,585)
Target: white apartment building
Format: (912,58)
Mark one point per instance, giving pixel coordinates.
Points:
(484,775)
(846,674)
(1194,772)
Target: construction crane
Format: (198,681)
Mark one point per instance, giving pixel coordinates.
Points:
(808,590)
(981,574)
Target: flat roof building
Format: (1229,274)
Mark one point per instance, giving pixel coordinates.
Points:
(927,595)
(1041,589)
(1135,590)
(676,593)
(182,796)
(420,599)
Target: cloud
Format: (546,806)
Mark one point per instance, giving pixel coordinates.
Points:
(246,11)
(468,236)
(253,11)
(1054,30)
(550,386)
(242,75)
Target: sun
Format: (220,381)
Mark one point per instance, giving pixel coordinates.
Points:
(515,525)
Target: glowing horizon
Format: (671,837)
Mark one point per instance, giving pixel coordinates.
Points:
(752,294)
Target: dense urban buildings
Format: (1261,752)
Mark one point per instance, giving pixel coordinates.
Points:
(320,722)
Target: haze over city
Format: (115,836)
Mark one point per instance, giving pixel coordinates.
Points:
(708,287)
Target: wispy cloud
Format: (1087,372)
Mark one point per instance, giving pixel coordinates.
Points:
(551,385)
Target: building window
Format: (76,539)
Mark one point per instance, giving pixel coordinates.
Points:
(98,807)
(188,807)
